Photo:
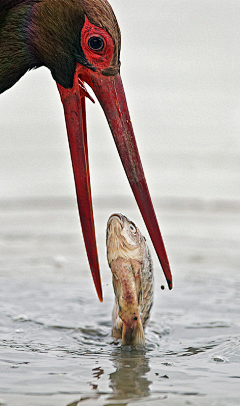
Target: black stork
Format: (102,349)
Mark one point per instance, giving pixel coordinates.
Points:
(79,41)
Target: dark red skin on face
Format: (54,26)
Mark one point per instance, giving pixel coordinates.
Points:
(101,59)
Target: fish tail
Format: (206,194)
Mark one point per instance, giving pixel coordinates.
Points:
(133,334)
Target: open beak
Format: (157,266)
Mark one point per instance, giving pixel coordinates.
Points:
(110,94)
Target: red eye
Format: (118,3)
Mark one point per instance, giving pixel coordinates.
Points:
(97,45)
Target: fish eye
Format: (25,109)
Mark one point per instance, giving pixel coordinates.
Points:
(132,228)
(96,43)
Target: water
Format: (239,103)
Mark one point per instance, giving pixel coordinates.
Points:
(55,341)
(181,70)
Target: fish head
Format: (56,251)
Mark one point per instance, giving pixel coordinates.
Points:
(124,239)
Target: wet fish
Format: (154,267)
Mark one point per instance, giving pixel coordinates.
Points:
(132,274)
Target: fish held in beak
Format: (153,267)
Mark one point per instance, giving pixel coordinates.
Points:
(110,93)
(132,274)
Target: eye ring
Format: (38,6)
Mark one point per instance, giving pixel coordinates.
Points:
(96,43)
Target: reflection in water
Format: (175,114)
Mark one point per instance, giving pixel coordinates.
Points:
(129,379)
(127,382)
(97,372)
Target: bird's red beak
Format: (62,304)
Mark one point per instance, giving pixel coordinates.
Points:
(110,93)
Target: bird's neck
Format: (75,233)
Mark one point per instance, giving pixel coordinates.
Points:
(15,58)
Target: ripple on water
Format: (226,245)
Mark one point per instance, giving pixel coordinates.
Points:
(55,338)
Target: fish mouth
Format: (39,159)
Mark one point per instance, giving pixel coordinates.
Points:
(115,216)
(114,224)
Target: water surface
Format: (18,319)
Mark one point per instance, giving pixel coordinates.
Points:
(55,341)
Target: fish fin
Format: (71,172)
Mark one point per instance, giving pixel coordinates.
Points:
(133,334)
(117,328)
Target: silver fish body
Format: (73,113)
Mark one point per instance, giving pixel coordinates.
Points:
(132,274)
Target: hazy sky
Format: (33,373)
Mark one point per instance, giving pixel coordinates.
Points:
(181,72)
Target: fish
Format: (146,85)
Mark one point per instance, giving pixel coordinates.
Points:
(130,261)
